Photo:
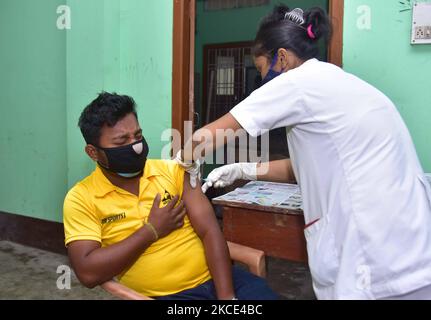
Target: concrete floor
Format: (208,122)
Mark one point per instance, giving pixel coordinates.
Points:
(28,273)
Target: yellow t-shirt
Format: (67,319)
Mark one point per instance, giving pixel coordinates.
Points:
(97,210)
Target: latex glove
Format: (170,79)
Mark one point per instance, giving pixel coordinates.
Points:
(193,169)
(227,175)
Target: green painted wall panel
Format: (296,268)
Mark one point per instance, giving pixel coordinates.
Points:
(384,57)
(122,46)
(33,163)
(48,76)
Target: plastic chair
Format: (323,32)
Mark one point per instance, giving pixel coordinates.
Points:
(254,259)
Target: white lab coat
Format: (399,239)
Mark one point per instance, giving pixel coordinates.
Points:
(359,173)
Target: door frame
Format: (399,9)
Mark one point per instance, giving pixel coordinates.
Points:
(183,67)
(335,49)
(184,58)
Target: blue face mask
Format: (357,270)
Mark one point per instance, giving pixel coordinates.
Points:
(272,74)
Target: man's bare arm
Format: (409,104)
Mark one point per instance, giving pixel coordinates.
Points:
(95,265)
(205,224)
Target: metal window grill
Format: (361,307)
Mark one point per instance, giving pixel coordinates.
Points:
(230,77)
(225,69)
(213,5)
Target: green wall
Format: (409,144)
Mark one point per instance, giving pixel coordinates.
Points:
(48,76)
(123,46)
(384,57)
(33,162)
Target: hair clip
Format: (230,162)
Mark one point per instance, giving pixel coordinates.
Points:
(296,16)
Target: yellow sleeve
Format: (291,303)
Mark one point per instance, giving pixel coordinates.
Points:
(178,176)
(172,172)
(79,217)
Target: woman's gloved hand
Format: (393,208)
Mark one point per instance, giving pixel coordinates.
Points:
(193,169)
(227,175)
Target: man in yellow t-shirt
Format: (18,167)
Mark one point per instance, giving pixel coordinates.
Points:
(139,220)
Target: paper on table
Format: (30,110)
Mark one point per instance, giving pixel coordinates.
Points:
(286,196)
(280,195)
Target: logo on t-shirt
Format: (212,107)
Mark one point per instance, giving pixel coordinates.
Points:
(167,197)
(114,218)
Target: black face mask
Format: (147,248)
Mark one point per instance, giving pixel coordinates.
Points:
(127,161)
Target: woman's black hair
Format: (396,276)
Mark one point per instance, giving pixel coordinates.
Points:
(282,29)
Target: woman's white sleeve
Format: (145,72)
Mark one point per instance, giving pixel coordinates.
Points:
(277,104)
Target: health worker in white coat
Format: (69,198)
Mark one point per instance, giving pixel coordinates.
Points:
(366,201)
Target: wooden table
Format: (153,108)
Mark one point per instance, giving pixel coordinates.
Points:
(278,232)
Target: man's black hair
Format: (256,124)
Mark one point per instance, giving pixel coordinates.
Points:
(106,109)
